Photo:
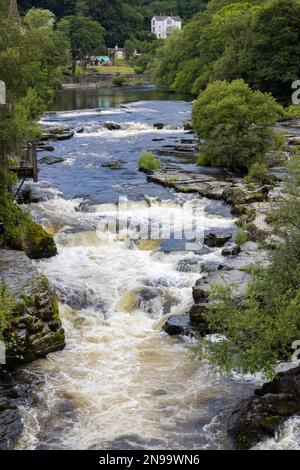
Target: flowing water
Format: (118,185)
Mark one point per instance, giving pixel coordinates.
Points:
(121,383)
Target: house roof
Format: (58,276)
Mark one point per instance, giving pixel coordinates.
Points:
(162,18)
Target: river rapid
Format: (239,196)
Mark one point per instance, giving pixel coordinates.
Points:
(121,383)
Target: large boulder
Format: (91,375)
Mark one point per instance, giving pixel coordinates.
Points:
(260,417)
(239,279)
(216,240)
(36,242)
(34,329)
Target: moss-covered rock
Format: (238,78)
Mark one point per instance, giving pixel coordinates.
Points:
(34,329)
(36,242)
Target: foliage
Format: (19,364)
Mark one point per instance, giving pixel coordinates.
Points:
(122,19)
(241,237)
(234,39)
(86,36)
(236,124)
(203,161)
(259,331)
(119,81)
(148,162)
(5,308)
(257,172)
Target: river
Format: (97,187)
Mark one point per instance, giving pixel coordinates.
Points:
(121,383)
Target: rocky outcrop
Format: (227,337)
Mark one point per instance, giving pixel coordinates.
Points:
(50,160)
(261,416)
(112,126)
(12,395)
(34,330)
(36,242)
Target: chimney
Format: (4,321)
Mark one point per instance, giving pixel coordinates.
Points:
(14,11)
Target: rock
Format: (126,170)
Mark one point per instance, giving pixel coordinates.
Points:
(215,240)
(65,136)
(235,277)
(112,126)
(79,130)
(203,251)
(239,195)
(188,126)
(177,325)
(36,243)
(231,250)
(158,125)
(198,321)
(112,165)
(45,148)
(34,329)
(158,140)
(51,160)
(260,417)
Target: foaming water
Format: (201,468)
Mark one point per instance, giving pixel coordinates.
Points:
(287,438)
(121,382)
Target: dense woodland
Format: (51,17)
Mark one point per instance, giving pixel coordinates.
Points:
(121,19)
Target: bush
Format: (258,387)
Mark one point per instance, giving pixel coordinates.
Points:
(236,124)
(241,237)
(203,161)
(5,308)
(139,70)
(148,162)
(119,81)
(257,172)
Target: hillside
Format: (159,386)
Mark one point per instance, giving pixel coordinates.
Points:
(121,19)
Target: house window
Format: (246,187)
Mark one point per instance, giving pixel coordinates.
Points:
(169,21)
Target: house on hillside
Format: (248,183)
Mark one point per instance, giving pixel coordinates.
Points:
(162,26)
(116,53)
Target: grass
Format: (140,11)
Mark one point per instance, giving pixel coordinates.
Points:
(241,237)
(148,162)
(110,69)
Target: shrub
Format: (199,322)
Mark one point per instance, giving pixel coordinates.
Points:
(257,172)
(236,124)
(139,70)
(119,81)
(5,308)
(203,161)
(241,237)
(148,162)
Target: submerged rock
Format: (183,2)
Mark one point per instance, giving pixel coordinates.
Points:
(158,125)
(51,160)
(261,416)
(34,329)
(112,126)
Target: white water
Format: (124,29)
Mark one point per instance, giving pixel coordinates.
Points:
(121,382)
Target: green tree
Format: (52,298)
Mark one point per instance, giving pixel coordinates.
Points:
(236,124)
(38,18)
(272,59)
(129,50)
(86,36)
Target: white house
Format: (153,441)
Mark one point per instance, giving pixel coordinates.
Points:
(163,25)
